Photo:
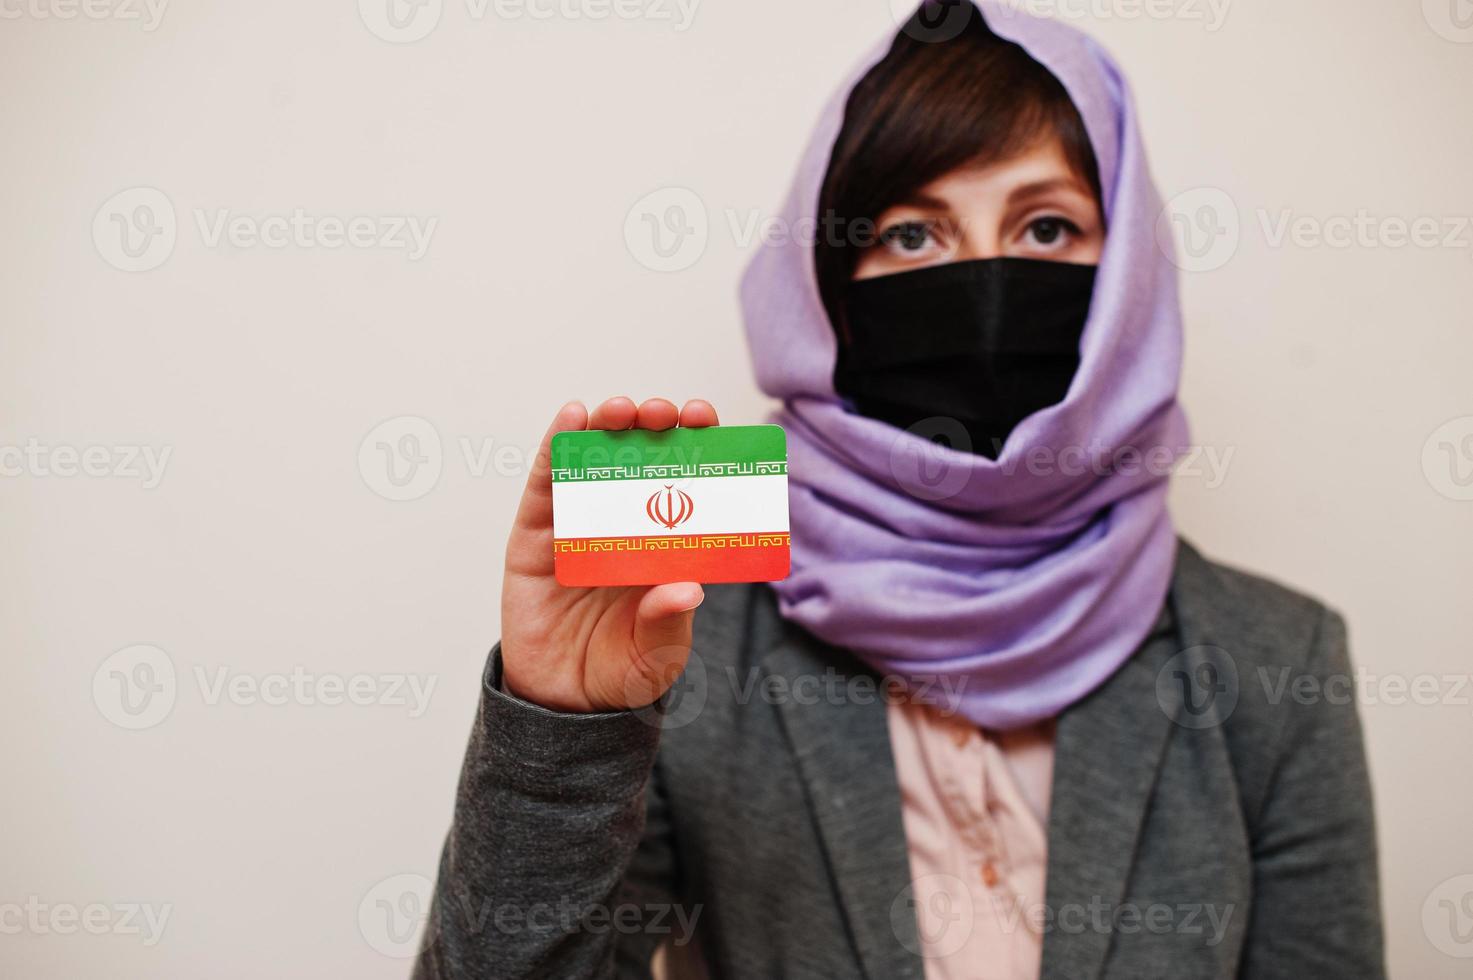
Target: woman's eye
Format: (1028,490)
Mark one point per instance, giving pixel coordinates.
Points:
(1051,232)
(907,236)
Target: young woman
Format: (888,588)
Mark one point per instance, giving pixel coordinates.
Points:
(1081,770)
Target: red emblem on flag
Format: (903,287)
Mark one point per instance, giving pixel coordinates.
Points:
(669,507)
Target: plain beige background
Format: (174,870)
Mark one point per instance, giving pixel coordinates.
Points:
(181,637)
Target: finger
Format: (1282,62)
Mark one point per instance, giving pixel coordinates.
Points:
(613,413)
(698,413)
(662,637)
(657,413)
(664,601)
(535,511)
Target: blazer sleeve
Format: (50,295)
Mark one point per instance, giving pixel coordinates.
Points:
(550,814)
(1316,908)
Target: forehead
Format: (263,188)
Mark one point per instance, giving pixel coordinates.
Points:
(1043,163)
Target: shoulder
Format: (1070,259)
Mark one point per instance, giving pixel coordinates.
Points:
(1260,620)
(1278,657)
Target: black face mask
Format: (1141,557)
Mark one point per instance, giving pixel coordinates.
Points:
(986,342)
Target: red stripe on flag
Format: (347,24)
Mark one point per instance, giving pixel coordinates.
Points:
(576,564)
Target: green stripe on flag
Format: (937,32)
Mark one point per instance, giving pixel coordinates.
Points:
(639,454)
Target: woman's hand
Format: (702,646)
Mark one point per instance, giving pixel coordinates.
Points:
(590,649)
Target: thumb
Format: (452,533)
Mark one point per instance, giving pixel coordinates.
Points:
(662,632)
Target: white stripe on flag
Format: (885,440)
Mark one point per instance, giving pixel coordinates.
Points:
(719,505)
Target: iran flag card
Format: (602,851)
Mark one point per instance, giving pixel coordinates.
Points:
(637,507)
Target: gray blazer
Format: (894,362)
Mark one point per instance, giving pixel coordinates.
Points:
(1210,816)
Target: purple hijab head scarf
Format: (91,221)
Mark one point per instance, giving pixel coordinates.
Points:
(1025,581)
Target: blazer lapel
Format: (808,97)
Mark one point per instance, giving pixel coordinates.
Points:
(1107,754)
(844,758)
(1108,751)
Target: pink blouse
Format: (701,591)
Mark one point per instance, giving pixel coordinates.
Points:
(975,807)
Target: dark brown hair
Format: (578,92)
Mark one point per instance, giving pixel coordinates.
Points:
(931,105)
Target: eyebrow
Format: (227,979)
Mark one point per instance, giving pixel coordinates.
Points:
(922,201)
(1039,188)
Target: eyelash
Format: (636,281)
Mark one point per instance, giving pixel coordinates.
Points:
(894,236)
(1068,227)
(891,236)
